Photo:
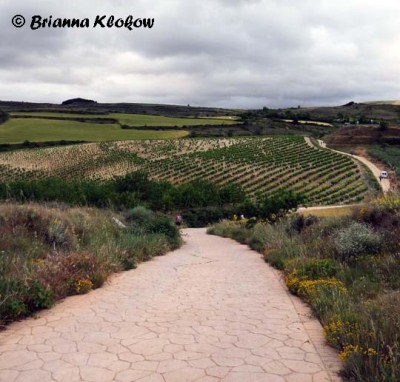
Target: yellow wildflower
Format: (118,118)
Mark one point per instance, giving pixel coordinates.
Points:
(309,287)
(348,351)
(83,286)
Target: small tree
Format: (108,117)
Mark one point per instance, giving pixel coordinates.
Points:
(278,206)
(3,116)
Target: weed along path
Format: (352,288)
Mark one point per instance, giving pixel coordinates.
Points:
(210,311)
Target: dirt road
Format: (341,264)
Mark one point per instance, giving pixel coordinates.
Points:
(210,311)
(384,183)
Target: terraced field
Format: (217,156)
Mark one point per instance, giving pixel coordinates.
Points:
(263,166)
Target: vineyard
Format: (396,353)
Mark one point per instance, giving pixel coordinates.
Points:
(262,166)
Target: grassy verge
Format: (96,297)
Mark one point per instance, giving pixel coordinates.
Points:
(48,253)
(329,212)
(348,270)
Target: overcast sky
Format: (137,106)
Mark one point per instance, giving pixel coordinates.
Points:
(230,53)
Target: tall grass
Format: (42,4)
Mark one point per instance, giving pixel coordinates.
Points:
(47,253)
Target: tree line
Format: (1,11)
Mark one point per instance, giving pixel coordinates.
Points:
(199,201)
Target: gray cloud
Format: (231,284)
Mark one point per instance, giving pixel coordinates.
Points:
(224,53)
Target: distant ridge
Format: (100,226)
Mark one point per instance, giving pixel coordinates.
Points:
(78,101)
(85,106)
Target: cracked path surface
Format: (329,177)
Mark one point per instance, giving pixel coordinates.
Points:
(210,311)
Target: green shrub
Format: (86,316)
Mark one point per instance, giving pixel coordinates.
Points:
(127,259)
(297,222)
(259,237)
(165,226)
(59,233)
(387,268)
(98,278)
(3,116)
(355,240)
(143,221)
(328,298)
(211,230)
(143,248)
(224,228)
(12,309)
(318,268)
(275,257)
(39,297)
(139,219)
(201,217)
(239,233)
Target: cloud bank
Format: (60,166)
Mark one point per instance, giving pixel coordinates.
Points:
(228,53)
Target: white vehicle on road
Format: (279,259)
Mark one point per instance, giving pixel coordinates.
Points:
(383,175)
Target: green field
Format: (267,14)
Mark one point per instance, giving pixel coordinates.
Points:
(41,130)
(262,166)
(139,119)
(156,120)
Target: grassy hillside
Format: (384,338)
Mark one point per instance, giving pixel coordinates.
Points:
(354,111)
(136,119)
(364,135)
(262,166)
(387,154)
(41,130)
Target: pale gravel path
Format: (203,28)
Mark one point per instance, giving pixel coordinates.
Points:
(210,311)
(319,208)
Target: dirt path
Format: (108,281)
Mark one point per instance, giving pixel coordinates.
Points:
(384,183)
(319,208)
(210,311)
